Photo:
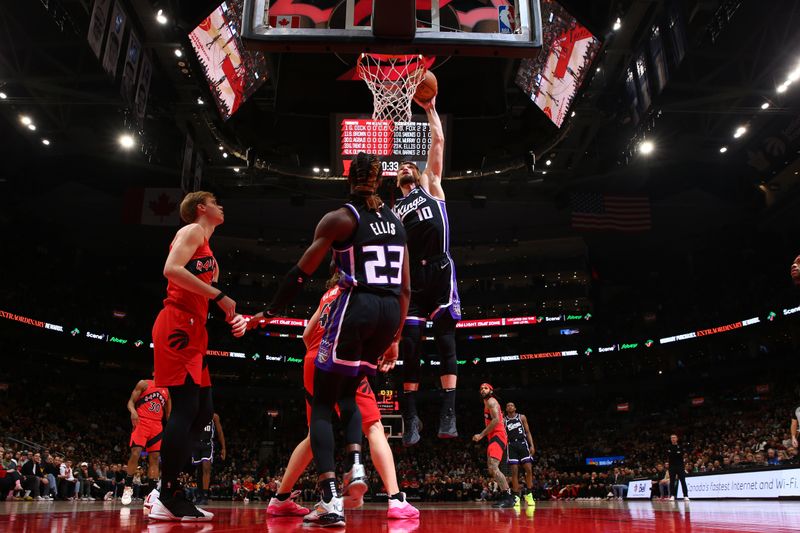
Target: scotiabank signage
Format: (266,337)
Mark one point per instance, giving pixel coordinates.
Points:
(764,484)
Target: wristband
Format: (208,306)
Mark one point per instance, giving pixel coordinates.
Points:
(219,297)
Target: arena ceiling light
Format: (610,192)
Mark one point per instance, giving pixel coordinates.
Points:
(647,147)
(32,127)
(3,95)
(46,142)
(26,120)
(326,170)
(200,101)
(741,130)
(161,18)
(617,24)
(236,169)
(178,52)
(225,155)
(723,149)
(548,162)
(765,105)
(316,170)
(126,141)
(782,87)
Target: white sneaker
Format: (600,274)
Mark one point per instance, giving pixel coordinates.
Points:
(672,498)
(148,502)
(326,514)
(109,496)
(355,485)
(686,499)
(180,510)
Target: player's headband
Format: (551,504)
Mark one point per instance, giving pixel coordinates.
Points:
(488,386)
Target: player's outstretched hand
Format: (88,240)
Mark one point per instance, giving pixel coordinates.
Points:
(389,358)
(430,104)
(476,437)
(229,307)
(238,325)
(256,321)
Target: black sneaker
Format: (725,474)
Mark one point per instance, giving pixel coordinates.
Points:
(506,502)
(447,425)
(411,431)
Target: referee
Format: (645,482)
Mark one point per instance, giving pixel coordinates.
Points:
(676,453)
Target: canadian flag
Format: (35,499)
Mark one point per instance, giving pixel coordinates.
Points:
(284,21)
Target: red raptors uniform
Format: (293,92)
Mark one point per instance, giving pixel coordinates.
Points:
(497,438)
(365,398)
(179,333)
(150,407)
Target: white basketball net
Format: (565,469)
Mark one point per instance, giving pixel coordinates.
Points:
(393,80)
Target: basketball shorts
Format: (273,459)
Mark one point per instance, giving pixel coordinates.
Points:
(147,435)
(434,289)
(365,398)
(519,453)
(202,451)
(497,447)
(359,328)
(180,341)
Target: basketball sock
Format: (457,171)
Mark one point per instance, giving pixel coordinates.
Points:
(410,397)
(283,496)
(328,488)
(448,401)
(129,480)
(399,496)
(353,458)
(151,485)
(176,441)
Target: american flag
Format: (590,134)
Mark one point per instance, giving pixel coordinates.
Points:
(594,211)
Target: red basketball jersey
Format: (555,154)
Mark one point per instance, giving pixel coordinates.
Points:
(499,429)
(319,330)
(203,265)
(153,401)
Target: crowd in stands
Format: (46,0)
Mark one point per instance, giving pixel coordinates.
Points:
(48,456)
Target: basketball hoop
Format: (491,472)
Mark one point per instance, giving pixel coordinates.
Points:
(393,80)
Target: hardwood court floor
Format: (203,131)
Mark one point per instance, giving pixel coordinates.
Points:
(565,517)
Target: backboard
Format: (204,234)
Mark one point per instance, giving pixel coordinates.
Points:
(502,28)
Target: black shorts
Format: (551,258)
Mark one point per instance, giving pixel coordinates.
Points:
(360,327)
(519,453)
(434,290)
(203,451)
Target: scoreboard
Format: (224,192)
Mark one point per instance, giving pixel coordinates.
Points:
(393,142)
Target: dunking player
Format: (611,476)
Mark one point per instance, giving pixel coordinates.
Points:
(382,458)
(181,340)
(203,454)
(434,295)
(363,325)
(495,430)
(520,451)
(149,406)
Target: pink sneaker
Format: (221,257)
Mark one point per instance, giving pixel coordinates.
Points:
(287,507)
(399,509)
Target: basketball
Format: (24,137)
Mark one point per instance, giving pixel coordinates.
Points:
(428,87)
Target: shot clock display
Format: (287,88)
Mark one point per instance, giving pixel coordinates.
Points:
(388,401)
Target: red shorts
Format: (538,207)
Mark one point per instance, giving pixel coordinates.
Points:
(365,398)
(147,435)
(497,446)
(180,341)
